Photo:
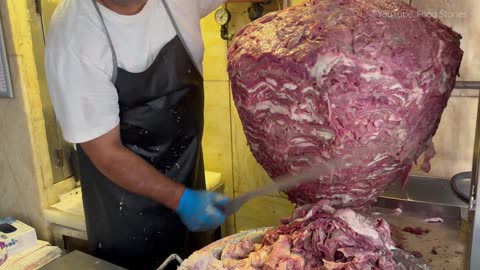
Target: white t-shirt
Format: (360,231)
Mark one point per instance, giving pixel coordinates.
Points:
(79,64)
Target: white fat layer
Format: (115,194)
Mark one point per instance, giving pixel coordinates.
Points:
(368,76)
(323,65)
(270,106)
(357,223)
(271,81)
(254,89)
(402,99)
(290,86)
(378,158)
(299,116)
(308,89)
(343,198)
(445,76)
(368,67)
(301,142)
(402,134)
(395,86)
(326,135)
(394,118)
(416,95)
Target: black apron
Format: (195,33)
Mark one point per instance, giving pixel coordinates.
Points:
(161,120)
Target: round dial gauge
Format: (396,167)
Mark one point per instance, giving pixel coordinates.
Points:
(222,16)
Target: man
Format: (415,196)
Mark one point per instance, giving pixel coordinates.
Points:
(125,79)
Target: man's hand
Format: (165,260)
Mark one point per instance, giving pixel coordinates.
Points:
(199,211)
(131,172)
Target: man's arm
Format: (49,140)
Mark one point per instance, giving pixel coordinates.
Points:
(131,172)
(86,104)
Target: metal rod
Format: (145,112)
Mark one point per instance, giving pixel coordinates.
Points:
(467,85)
(173,257)
(474,215)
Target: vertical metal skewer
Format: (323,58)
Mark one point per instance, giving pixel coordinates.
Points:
(474,211)
(473,260)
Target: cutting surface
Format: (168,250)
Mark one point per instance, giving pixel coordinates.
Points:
(443,247)
(80,260)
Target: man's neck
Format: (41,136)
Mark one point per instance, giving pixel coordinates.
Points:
(130,9)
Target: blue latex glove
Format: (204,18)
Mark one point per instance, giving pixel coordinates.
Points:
(199,210)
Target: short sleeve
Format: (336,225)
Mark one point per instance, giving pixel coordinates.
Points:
(84,99)
(208,6)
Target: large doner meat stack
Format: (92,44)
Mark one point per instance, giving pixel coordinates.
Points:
(328,78)
(336,79)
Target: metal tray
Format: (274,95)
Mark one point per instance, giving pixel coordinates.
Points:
(444,247)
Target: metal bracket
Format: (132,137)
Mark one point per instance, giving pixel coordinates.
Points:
(473,198)
(474,213)
(60,157)
(171,258)
(38,6)
(255,11)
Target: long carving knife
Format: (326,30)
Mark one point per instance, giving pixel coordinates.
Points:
(288,181)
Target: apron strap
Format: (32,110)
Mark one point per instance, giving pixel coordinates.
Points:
(179,33)
(114,56)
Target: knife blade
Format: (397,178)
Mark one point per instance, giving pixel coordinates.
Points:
(288,181)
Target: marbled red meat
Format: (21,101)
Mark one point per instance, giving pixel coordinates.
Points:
(315,237)
(327,239)
(326,78)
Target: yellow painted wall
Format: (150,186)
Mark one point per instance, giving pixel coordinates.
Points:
(225,146)
(248,174)
(217,142)
(26,181)
(294,2)
(21,174)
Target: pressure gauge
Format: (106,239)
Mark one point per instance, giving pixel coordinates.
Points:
(222,16)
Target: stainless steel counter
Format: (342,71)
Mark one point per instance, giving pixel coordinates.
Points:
(80,261)
(445,245)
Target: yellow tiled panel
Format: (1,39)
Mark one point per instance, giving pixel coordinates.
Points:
(215,58)
(262,212)
(217,142)
(216,138)
(295,2)
(248,174)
